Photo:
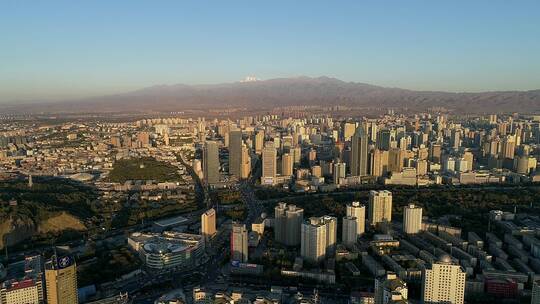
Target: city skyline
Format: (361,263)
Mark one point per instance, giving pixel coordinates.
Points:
(304,152)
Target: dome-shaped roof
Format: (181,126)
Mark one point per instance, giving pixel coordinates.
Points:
(445,258)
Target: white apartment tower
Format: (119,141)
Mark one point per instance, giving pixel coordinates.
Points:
(349,235)
(358,211)
(239,243)
(412,219)
(331,234)
(313,243)
(288,220)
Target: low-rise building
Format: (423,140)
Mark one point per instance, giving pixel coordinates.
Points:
(167,250)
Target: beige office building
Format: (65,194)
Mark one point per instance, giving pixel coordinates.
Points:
(26,291)
(396,158)
(444,282)
(259,142)
(379,163)
(208,223)
(348,130)
(380,207)
(245,163)
(61,280)
(287,163)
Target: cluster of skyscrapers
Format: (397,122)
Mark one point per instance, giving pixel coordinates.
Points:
(320,153)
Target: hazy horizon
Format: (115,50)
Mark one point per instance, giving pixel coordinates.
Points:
(128,90)
(62,50)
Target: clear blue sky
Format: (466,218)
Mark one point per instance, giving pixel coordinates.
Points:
(64,49)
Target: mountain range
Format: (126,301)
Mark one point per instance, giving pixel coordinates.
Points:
(292,91)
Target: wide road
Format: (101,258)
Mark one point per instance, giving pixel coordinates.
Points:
(255,206)
(200,190)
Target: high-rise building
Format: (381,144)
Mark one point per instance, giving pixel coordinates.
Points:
(359,161)
(493,119)
(143,138)
(339,172)
(235,152)
(396,158)
(313,240)
(127,142)
(380,207)
(239,243)
(412,219)
(390,289)
(287,163)
(435,153)
(116,141)
(288,221)
(287,142)
(24,291)
(508,147)
(469,157)
(166,139)
(373,130)
(211,162)
(331,234)
(443,282)
(423,153)
(379,163)
(348,130)
(312,157)
(421,166)
(384,139)
(208,223)
(28,289)
(316,171)
(349,235)
(358,211)
(259,142)
(269,165)
(61,280)
(245,163)
(455,138)
(297,154)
